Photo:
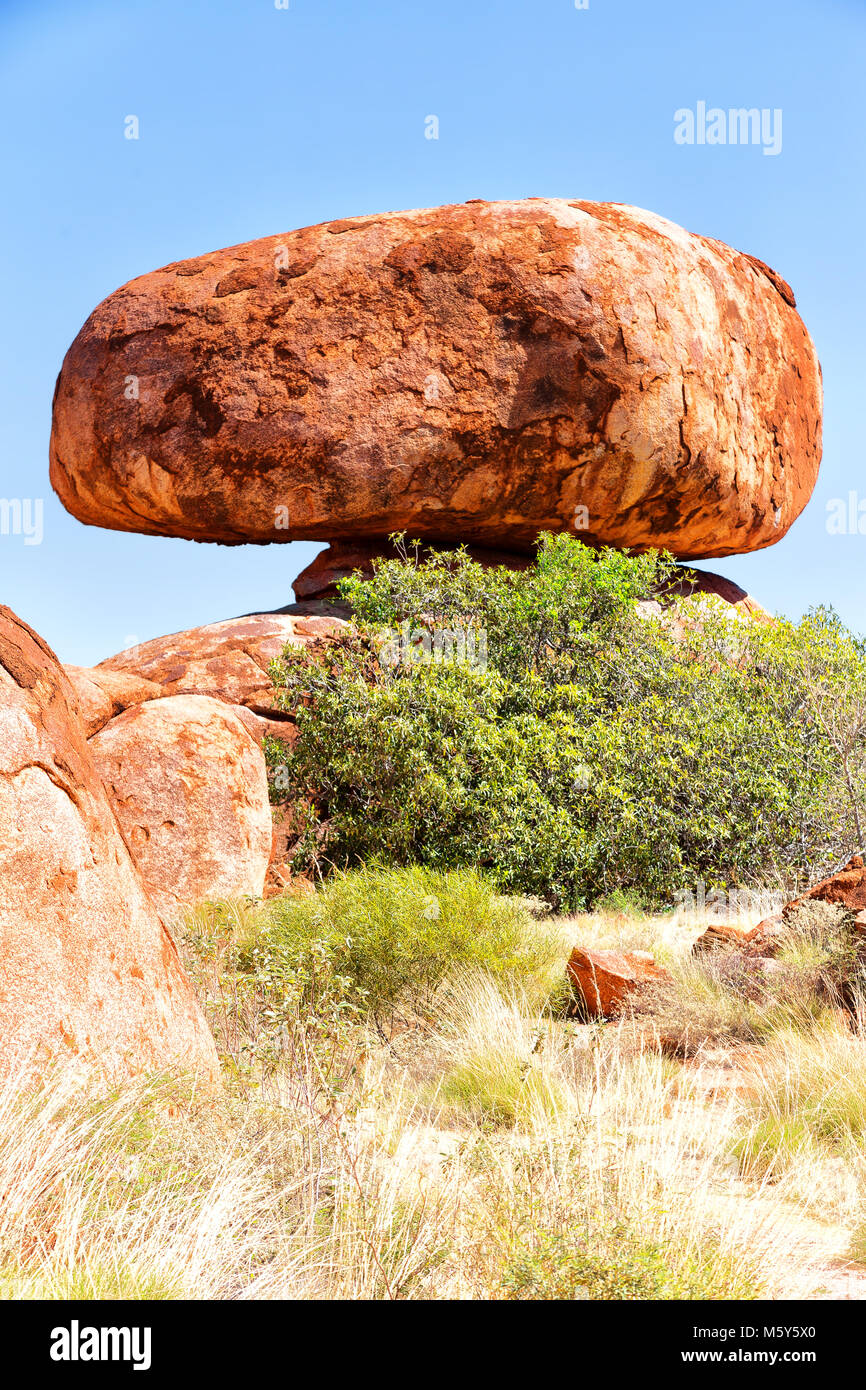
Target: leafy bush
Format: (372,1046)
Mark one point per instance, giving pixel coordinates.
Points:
(367,941)
(553,728)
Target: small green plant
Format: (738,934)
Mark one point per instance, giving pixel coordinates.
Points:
(496,1089)
(621,1262)
(620,903)
(272,1001)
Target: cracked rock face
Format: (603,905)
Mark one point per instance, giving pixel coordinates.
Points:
(227,660)
(88,973)
(473,373)
(103,694)
(190,790)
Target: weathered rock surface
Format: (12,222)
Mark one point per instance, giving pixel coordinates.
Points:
(102,694)
(190,791)
(228,660)
(88,973)
(606,980)
(472,373)
(262,727)
(724,935)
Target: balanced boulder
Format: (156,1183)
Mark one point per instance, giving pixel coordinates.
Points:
(190,790)
(88,972)
(474,373)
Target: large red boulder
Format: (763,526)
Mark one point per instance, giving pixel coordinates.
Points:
(478,373)
(190,790)
(88,972)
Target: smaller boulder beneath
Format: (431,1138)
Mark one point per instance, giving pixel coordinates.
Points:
(190,791)
(604,980)
(343,558)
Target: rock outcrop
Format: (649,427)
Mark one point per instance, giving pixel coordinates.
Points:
(475,373)
(227,660)
(88,973)
(847,889)
(606,980)
(101,694)
(190,791)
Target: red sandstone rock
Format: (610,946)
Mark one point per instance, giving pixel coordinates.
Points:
(228,660)
(261,728)
(88,973)
(606,979)
(102,694)
(190,792)
(847,888)
(474,373)
(725,934)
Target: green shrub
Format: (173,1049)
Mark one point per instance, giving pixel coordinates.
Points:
(367,941)
(397,933)
(620,1262)
(621,904)
(590,746)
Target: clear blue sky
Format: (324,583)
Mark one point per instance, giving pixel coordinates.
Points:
(254,120)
